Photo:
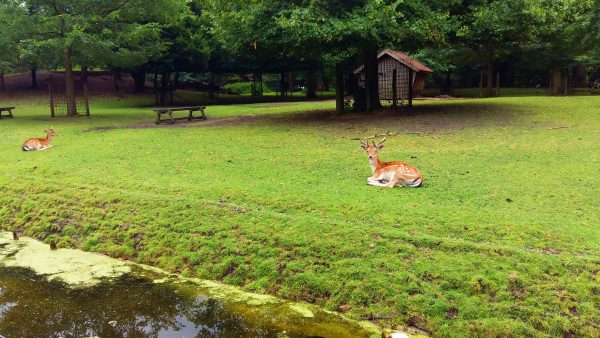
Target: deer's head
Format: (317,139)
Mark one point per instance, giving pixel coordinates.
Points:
(51,132)
(372,149)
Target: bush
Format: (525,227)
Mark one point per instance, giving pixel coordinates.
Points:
(239,87)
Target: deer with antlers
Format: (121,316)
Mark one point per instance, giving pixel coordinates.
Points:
(390,174)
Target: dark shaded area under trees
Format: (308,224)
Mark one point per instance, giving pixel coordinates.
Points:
(290,46)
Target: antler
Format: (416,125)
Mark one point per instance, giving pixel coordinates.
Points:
(364,144)
(379,143)
(379,135)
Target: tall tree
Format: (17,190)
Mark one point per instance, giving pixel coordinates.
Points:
(347,33)
(567,32)
(494,27)
(90,28)
(10,14)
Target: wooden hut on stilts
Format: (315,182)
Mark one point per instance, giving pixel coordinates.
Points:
(400,77)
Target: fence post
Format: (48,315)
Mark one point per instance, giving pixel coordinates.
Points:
(52,113)
(410,87)
(395,88)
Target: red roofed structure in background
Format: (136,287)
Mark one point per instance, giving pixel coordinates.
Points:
(390,60)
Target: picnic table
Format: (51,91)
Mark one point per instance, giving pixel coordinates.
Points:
(6,109)
(161,111)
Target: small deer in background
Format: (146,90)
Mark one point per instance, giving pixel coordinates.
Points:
(40,143)
(390,174)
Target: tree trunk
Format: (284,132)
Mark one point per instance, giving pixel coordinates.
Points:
(490,74)
(447,83)
(291,83)
(498,84)
(84,75)
(339,90)
(580,77)
(173,86)
(282,84)
(566,82)
(371,79)
(311,84)
(164,87)
(155,87)
(70,83)
(2,87)
(34,84)
(326,83)
(139,80)
(176,81)
(556,80)
(211,85)
(116,80)
(480,84)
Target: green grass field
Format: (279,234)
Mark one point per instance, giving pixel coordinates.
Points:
(503,239)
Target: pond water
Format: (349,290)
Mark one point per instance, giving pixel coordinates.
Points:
(136,306)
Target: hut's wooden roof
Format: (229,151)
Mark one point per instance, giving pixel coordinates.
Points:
(402,58)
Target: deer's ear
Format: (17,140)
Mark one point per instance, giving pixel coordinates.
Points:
(379,147)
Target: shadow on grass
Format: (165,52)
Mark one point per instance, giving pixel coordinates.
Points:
(424,118)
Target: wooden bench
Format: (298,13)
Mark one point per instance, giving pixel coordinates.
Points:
(171,119)
(6,109)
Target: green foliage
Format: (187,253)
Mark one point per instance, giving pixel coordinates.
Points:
(279,204)
(566,31)
(9,16)
(101,33)
(239,87)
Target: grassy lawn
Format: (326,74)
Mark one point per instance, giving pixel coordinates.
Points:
(503,239)
(506,92)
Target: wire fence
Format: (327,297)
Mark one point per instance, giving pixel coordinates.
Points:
(59,104)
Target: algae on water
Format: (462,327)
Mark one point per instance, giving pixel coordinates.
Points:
(73,267)
(83,269)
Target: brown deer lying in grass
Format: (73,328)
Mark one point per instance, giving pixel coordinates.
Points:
(40,143)
(390,174)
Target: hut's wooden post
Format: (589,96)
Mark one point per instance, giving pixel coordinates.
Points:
(410,87)
(480,84)
(52,112)
(395,88)
(498,84)
(87,99)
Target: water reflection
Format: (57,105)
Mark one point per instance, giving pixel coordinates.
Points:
(129,307)
(133,306)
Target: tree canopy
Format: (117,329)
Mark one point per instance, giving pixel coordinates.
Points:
(268,36)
